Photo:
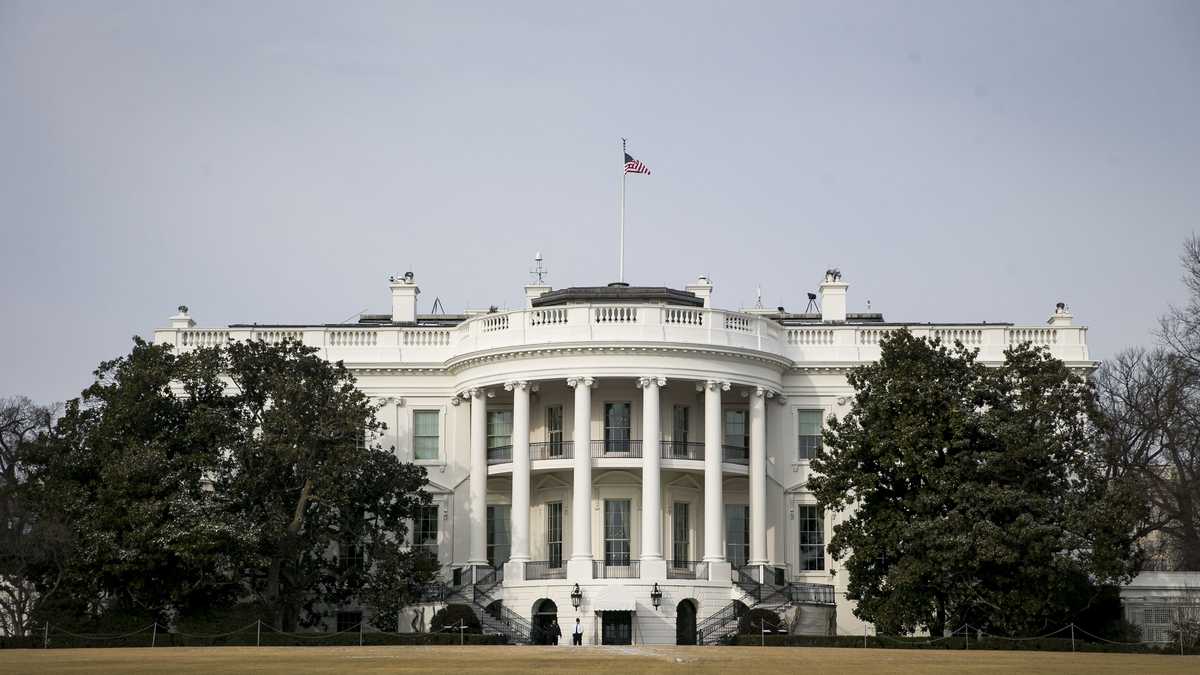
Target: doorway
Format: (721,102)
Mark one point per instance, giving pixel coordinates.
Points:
(545,614)
(616,628)
(685,623)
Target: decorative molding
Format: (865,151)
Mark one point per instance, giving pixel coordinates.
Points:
(516,384)
(585,380)
(646,381)
(455,365)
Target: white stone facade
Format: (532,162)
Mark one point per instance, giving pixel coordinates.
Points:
(690,410)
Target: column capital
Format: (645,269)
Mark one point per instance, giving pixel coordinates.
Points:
(713,385)
(581,379)
(646,381)
(516,384)
(474,392)
(766,393)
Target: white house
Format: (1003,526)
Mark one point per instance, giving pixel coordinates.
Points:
(634,447)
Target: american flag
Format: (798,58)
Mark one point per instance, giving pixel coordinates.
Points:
(634,166)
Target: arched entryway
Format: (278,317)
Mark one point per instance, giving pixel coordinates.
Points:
(545,614)
(685,622)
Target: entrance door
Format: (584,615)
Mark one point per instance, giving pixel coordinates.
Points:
(616,628)
(685,623)
(545,614)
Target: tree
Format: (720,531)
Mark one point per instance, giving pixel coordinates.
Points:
(972,492)
(32,548)
(238,473)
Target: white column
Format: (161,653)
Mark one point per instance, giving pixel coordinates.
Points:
(580,564)
(477,493)
(714,500)
(758,476)
(651,475)
(520,472)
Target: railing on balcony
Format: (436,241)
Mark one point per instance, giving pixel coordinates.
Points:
(617,448)
(500,455)
(821,594)
(551,450)
(682,450)
(617,569)
(545,569)
(735,454)
(687,569)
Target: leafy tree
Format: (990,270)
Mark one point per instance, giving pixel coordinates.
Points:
(972,492)
(450,616)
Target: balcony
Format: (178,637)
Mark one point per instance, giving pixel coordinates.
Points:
(687,569)
(618,448)
(551,450)
(619,569)
(682,450)
(545,569)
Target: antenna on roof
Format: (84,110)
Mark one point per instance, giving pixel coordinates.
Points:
(437,306)
(758,297)
(539,270)
(358,313)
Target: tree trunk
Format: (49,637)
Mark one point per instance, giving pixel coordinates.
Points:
(284,611)
(938,628)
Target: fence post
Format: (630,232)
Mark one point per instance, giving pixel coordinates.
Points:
(258,634)
(864,636)
(966,638)
(46,636)
(360,633)
(154,635)
(1072,637)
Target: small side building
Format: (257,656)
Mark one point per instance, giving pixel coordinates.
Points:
(1157,602)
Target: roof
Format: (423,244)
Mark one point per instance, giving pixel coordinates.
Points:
(618,293)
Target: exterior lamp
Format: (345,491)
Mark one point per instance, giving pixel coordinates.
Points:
(656,596)
(576,597)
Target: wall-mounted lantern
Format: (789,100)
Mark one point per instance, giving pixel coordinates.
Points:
(656,596)
(576,597)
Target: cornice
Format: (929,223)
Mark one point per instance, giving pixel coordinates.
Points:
(459,363)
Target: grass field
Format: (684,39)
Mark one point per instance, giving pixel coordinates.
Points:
(554,660)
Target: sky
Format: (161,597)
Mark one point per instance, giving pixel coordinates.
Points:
(277,161)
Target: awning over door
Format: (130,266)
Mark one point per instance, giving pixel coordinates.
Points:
(615,599)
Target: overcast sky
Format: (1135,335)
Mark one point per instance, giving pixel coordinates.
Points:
(275,162)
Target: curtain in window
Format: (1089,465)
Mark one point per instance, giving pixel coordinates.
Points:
(737,534)
(554,513)
(499,529)
(425,434)
(616,532)
(680,534)
(810,433)
(499,428)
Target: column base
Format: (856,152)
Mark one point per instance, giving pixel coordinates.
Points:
(514,570)
(579,569)
(654,569)
(719,570)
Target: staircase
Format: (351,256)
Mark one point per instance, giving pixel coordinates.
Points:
(494,618)
(722,625)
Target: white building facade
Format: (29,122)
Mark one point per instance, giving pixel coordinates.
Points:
(632,457)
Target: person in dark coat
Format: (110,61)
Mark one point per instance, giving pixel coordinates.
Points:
(555,633)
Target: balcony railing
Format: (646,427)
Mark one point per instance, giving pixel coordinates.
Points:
(687,569)
(735,454)
(617,448)
(622,569)
(545,569)
(682,450)
(814,593)
(552,450)
(500,455)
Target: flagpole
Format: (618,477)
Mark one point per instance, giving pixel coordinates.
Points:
(621,221)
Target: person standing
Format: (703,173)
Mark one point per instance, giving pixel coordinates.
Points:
(577,633)
(555,633)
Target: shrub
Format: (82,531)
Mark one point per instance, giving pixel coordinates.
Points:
(448,618)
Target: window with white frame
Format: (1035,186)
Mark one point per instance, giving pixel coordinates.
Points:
(499,530)
(809,441)
(616,532)
(812,537)
(499,429)
(425,530)
(737,534)
(426,434)
(554,516)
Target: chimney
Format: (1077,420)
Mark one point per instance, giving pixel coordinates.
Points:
(182,319)
(534,291)
(1061,316)
(833,297)
(404,298)
(702,288)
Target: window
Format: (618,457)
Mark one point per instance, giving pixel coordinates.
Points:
(362,439)
(425,530)
(616,427)
(810,433)
(616,532)
(347,621)
(425,434)
(350,555)
(737,534)
(679,431)
(499,429)
(680,534)
(812,537)
(554,430)
(498,532)
(554,514)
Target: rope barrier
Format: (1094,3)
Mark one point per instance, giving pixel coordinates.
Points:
(1019,639)
(84,636)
